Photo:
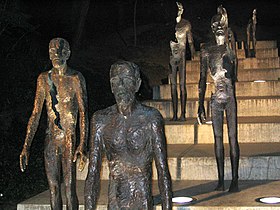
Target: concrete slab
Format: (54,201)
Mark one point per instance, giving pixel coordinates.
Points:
(243,89)
(244,75)
(260,53)
(207,198)
(245,63)
(258,161)
(246,107)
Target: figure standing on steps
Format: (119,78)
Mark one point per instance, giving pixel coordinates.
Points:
(251,35)
(220,60)
(64,91)
(131,135)
(178,62)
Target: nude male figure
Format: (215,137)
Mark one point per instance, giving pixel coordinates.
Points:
(63,90)
(178,62)
(220,60)
(131,135)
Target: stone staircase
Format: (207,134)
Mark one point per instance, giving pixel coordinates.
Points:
(190,146)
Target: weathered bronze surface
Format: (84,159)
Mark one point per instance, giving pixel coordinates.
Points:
(220,59)
(178,61)
(64,91)
(131,135)
(251,35)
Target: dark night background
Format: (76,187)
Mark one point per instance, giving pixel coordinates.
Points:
(100,33)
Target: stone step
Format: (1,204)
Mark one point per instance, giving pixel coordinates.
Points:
(207,198)
(261,44)
(243,89)
(250,130)
(188,161)
(260,53)
(245,63)
(244,75)
(246,107)
(241,53)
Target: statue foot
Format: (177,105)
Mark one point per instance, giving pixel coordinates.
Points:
(220,187)
(182,118)
(174,118)
(234,186)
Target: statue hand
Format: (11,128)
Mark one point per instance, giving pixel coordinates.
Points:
(201,116)
(23,159)
(83,158)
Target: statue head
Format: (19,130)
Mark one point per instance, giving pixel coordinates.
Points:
(59,51)
(180,11)
(218,28)
(125,82)
(222,11)
(255,11)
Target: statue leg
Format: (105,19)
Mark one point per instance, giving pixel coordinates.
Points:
(254,41)
(248,41)
(52,168)
(183,91)
(69,173)
(231,116)
(174,94)
(217,123)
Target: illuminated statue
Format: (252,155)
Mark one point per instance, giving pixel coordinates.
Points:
(251,35)
(220,60)
(131,135)
(178,61)
(64,91)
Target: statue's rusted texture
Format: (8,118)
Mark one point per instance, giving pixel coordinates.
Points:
(220,59)
(64,91)
(178,61)
(251,35)
(131,135)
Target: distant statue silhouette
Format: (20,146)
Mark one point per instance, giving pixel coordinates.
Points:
(251,35)
(178,62)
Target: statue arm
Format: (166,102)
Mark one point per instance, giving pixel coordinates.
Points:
(92,184)
(233,47)
(190,41)
(202,85)
(160,154)
(81,93)
(33,121)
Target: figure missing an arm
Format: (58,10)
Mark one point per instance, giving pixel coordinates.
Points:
(183,35)
(251,35)
(64,92)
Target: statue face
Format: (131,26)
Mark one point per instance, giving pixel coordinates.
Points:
(180,8)
(218,26)
(59,52)
(124,85)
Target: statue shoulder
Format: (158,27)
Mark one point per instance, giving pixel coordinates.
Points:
(183,24)
(104,115)
(43,76)
(152,113)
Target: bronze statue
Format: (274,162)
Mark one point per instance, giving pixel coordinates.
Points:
(131,135)
(220,59)
(64,91)
(251,35)
(178,61)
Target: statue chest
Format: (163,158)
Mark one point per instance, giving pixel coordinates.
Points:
(131,135)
